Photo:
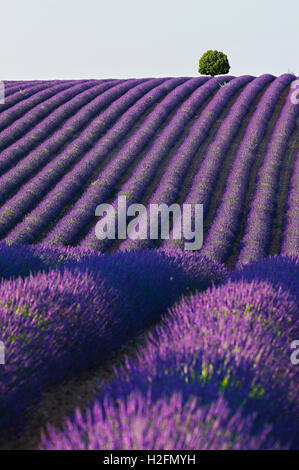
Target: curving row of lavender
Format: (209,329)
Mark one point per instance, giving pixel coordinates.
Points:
(226,222)
(205,180)
(259,221)
(17,92)
(291,229)
(36,160)
(145,171)
(72,181)
(56,167)
(223,354)
(71,226)
(216,374)
(19,103)
(172,179)
(72,309)
(88,105)
(39,127)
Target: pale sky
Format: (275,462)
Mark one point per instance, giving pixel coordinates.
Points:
(68,39)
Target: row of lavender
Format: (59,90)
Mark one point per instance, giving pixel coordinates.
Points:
(64,310)
(21,98)
(60,94)
(259,222)
(291,234)
(48,170)
(103,186)
(226,223)
(35,160)
(216,374)
(63,192)
(172,178)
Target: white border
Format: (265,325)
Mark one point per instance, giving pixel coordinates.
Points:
(2,353)
(2,92)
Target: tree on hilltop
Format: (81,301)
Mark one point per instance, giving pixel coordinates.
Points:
(213,63)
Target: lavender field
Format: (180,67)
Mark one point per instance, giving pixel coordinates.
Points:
(200,341)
